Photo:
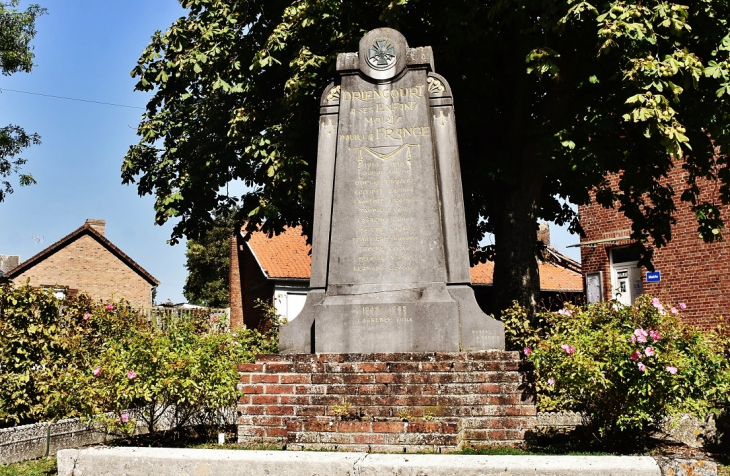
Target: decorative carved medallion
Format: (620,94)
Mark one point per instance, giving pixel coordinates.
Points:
(435,86)
(334,94)
(381,55)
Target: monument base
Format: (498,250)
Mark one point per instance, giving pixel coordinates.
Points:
(430,317)
(396,402)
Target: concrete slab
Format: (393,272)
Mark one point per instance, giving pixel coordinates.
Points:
(197,462)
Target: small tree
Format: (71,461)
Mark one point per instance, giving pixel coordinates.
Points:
(209,262)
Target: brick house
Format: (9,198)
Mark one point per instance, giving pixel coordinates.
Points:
(690,270)
(276,270)
(87,261)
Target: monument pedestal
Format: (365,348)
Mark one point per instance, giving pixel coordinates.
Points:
(394,402)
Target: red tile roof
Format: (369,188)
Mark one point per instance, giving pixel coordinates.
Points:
(558,278)
(282,256)
(552,277)
(287,256)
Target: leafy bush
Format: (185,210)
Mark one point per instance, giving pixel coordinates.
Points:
(77,358)
(31,349)
(625,367)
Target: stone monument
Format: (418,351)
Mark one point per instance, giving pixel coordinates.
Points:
(391,351)
(390,264)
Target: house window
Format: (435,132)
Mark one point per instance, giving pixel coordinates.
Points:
(626,282)
(594,287)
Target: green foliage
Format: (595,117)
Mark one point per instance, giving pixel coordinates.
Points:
(626,367)
(17,29)
(209,263)
(551,95)
(31,349)
(77,358)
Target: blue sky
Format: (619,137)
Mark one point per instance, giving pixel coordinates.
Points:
(86,49)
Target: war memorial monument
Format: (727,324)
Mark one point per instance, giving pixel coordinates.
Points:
(391,351)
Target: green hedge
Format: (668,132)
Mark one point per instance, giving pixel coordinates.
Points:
(78,358)
(626,367)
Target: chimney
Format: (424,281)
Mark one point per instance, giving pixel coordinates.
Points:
(8,262)
(543,233)
(97,225)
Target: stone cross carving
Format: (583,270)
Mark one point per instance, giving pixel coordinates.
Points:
(390,264)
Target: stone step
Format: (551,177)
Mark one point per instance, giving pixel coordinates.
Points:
(177,462)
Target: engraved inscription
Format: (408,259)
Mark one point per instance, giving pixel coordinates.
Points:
(386,144)
(384,314)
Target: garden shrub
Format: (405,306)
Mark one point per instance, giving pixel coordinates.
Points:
(30,348)
(98,361)
(625,367)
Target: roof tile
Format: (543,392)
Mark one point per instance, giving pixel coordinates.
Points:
(283,256)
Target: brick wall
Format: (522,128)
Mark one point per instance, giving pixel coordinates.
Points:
(86,265)
(692,271)
(386,402)
(254,285)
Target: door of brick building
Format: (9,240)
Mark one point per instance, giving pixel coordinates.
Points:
(626,282)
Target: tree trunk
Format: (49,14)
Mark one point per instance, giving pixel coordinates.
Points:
(516,274)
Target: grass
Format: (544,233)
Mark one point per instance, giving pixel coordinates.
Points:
(36,467)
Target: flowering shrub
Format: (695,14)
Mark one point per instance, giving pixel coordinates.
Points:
(77,358)
(625,367)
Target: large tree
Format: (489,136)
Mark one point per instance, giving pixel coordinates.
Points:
(17,29)
(551,95)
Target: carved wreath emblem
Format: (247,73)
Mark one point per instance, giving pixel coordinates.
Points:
(381,55)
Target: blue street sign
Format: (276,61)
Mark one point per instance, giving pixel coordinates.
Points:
(653,276)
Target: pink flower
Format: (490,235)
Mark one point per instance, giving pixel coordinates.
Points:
(640,335)
(565,312)
(632,339)
(635,355)
(682,306)
(96,371)
(527,351)
(672,370)
(125,417)
(674,311)
(649,351)
(551,381)
(642,367)
(87,316)
(655,335)
(568,349)
(109,307)
(657,304)
(131,374)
